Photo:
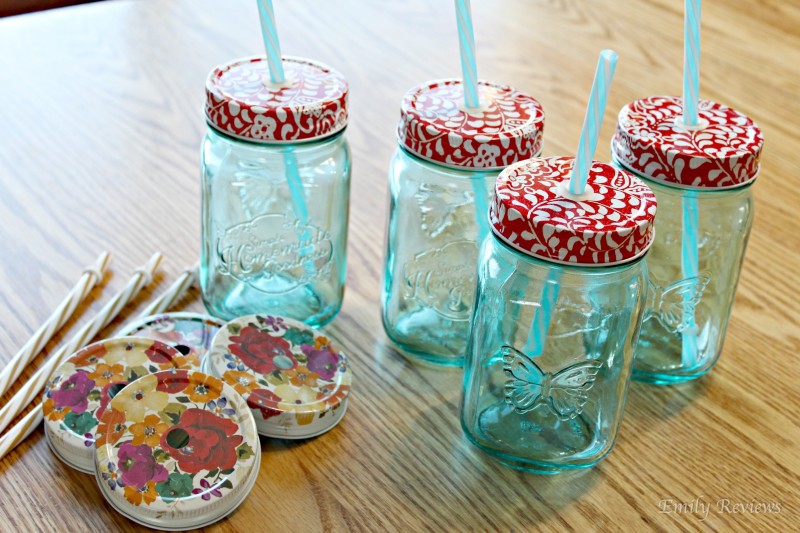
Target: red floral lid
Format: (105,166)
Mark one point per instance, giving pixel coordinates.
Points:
(176,450)
(722,153)
(294,379)
(435,126)
(242,102)
(610,224)
(79,392)
(189,333)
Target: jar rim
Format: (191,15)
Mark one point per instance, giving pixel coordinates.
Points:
(574,267)
(275,144)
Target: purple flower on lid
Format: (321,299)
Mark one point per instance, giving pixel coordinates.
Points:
(138,466)
(112,477)
(220,407)
(73,392)
(323,361)
(206,493)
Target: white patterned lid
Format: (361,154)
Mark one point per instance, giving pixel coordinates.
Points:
(435,125)
(242,102)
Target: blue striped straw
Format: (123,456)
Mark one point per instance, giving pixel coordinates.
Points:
(299,207)
(481,206)
(543,315)
(689,270)
(466,41)
(606,64)
(691,61)
(270,34)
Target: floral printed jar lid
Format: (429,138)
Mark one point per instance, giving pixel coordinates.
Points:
(295,381)
(177,450)
(77,396)
(189,333)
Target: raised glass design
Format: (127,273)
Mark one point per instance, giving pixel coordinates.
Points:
(263,250)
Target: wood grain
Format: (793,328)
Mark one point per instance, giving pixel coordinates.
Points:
(101,121)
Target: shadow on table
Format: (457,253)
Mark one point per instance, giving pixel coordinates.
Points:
(650,405)
(449,483)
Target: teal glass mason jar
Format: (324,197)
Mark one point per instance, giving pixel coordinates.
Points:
(702,179)
(560,299)
(276,187)
(440,185)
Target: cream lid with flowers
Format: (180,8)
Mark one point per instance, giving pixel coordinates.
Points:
(77,396)
(294,379)
(189,333)
(176,450)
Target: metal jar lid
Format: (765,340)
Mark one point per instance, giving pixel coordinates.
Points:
(77,396)
(189,333)
(294,380)
(177,450)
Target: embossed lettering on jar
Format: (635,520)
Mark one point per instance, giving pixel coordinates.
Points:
(702,178)
(276,185)
(440,183)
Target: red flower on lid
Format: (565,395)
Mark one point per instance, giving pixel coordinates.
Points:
(202,440)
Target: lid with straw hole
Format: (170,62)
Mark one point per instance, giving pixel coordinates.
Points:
(294,379)
(176,450)
(610,223)
(189,333)
(722,152)
(77,396)
(435,125)
(242,101)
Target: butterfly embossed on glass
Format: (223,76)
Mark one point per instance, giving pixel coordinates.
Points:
(565,392)
(673,306)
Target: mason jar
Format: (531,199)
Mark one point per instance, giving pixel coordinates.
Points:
(702,178)
(276,186)
(560,298)
(440,185)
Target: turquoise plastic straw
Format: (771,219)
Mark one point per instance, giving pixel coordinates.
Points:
(299,207)
(466,41)
(481,206)
(689,270)
(270,34)
(691,90)
(542,317)
(606,65)
(469,68)
(691,61)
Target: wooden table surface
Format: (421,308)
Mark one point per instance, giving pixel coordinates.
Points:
(100,128)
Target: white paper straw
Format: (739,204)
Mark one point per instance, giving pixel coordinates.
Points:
(142,277)
(91,276)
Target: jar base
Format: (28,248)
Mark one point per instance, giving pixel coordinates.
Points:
(656,378)
(427,340)
(303,304)
(527,465)
(422,352)
(561,445)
